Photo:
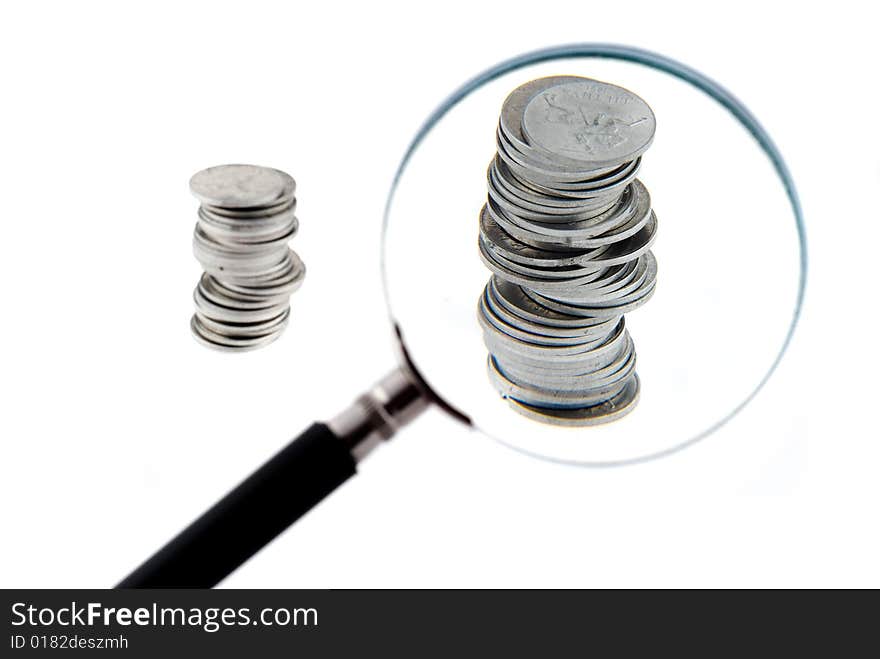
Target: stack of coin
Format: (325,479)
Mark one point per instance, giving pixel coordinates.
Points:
(566,232)
(245,220)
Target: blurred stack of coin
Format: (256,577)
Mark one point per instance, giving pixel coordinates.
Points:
(566,232)
(245,220)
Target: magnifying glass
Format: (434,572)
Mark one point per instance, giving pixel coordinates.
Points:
(733,267)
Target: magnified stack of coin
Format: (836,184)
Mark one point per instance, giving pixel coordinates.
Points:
(566,232)
(245,220)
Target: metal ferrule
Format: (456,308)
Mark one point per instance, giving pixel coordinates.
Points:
(379,413)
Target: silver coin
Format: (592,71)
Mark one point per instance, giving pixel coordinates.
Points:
(576,181)
(614,306)
(511,125)
(567,275)
(626,219)
(246,330)
(531,278)
(514,299)
(590,355)
(541,395)
(531,190)
(589,121)
(610,410)
(629,282)
(549,387)
(262,231)
(502,309)
(282,205)
(537,209)
(572,378)
(492,321)
(226,343)
(580,185)
(241,186)
(233,315)
(594,258)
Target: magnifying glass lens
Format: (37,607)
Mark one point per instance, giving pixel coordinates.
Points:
(727,249)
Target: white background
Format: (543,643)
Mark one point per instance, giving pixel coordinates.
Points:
(116,429)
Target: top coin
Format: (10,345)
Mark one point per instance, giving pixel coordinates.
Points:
(589,121)
(241,186)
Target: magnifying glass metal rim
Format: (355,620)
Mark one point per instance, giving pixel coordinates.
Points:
(660,63)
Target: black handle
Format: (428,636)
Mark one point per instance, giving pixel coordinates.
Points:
(246,519)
